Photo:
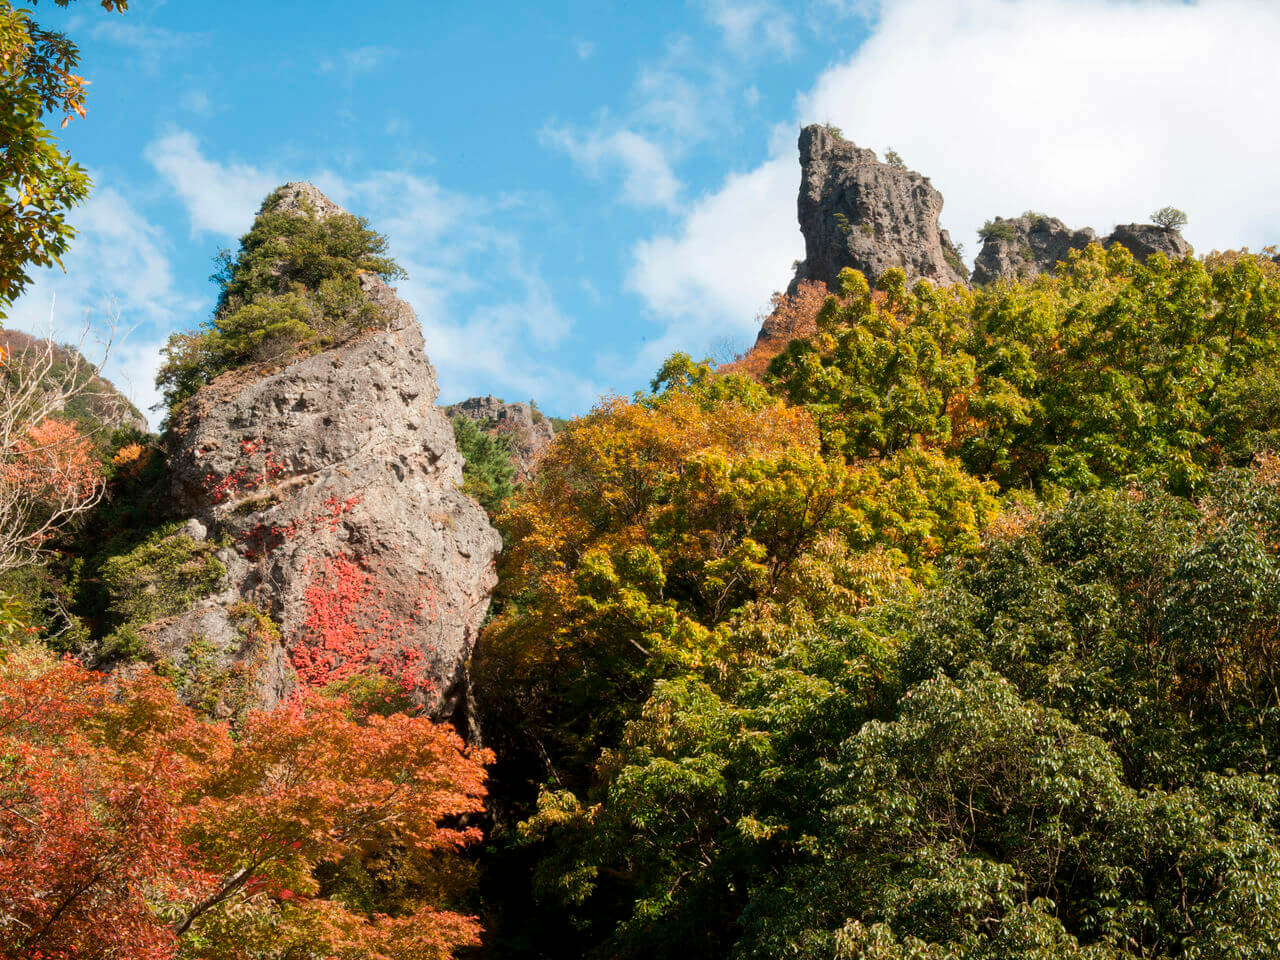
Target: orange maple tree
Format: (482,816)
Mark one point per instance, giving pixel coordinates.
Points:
(48,475)
(792,316)
(131,827)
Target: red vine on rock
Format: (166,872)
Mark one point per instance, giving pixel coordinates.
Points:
(262,538)
(247,478)
(348,630)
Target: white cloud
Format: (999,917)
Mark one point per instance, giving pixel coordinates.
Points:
(750,25)
(197,101)
(479,340)
(220,198)
(1092,110)
(118,265)
(152,46)
(862,9)
(681,95)
(716,273)
(585,49)
(1096,111)
(647,176)
(360,60)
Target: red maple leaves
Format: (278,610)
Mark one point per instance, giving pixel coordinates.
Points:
(128,824)
(349,630)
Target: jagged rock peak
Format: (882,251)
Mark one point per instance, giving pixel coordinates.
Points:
(332,481)
(302,199)
(1025,246)
(856,211)
(529,431)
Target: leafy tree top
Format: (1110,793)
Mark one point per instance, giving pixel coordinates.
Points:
(1109,371)
(38,182)
(291,287)
(1171,218)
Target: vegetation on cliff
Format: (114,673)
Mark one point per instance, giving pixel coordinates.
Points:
(292,286)
(943,625)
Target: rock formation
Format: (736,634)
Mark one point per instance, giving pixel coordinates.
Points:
(529,432)
(331,481)
(858,212)
(1025,246)
(1145,239)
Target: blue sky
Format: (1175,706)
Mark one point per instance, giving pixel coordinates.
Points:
(577,189)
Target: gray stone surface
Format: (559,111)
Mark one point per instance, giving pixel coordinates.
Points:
(335,457)
(858,212)
(1039,243)
(530,434)
(1145,239)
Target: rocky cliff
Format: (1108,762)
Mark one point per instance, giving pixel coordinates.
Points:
(1020,247)
(529,432)
(330,482)
(856,211)
(1146,239)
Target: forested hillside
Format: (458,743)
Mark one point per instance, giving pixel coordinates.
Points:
(956,636)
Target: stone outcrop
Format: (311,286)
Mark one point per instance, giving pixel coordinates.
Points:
(856,211)
(332,482)
(1146,239)
(1025,246)
(529,432)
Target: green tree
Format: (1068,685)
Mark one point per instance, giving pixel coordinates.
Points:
(1065,749)
(293,286)
(1171,218)
(488,474)
(1108,372)
(38,182)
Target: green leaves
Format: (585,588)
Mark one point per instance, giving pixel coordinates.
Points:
(293,286)
(1107,373)
(1064,749)
(488,473)
(38,182)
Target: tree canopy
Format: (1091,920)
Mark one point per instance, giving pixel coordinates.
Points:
(39,182)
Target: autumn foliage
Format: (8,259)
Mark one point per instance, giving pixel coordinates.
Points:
(349,631)
(131,827)
(55,462)
(660,532)
(48,475)
(792,316)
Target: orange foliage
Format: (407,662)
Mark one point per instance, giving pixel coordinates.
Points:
(54,462)
(596,488)
(129,826)
(793,317)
